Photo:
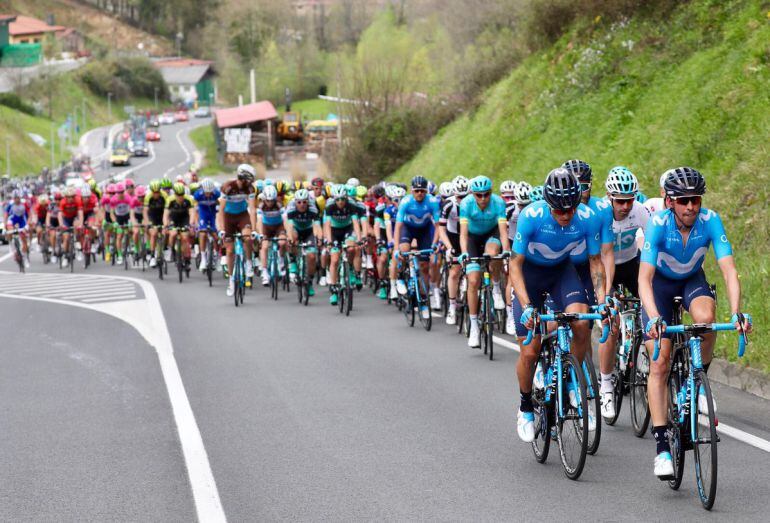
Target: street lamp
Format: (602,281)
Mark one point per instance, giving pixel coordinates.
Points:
(179,38)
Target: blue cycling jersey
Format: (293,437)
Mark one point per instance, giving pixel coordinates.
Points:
(272,216)
(207,203)
(665,249)
(600,221)
(544,242)
(482,221)
(418,214)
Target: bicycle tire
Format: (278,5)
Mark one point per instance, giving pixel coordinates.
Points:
(179,259)
(594,404)
(467,320)
(237,280)
(460,312)
(542,442)
(674,433)
(408,309)
(71,254)
(349,300)
(427,323)
(573,467)
(490,321)
(706,459)
(618,386)
(640,409)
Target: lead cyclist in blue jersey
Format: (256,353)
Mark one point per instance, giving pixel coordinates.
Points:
(546,233)
(483,230)
(416,221)
(676,241)
(207,197)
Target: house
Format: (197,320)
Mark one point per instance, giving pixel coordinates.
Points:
(246,133)
(189,80)
(72,41)
(22,38)
(28,30)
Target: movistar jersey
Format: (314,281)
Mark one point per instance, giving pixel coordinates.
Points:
(665,249)
(544,242)
(418,214)
(601,221)
(627,231)
(482,221)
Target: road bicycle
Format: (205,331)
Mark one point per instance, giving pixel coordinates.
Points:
(211,262)
(140,247)
(182,263)
(239,269)
(344,279)
(303,281)
(70,254)
(124,245)
(689,427)
(160,251)
(560,393)
(273,270)
(489,320)
(18,254)
(416,301)
(45,246)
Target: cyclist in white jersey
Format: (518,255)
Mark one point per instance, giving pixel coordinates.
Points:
(657,204)
(629,218)
(449,232)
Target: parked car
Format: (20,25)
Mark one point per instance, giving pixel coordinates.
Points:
(152,135)
(202,112)
(120,157)
(181,116)
(166,119)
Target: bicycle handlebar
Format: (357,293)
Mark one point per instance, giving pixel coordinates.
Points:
(702,328)
(568,317)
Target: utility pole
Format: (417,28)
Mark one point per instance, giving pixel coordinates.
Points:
(253,85)
(109,106)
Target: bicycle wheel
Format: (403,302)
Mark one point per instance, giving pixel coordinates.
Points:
(542,442)
(348,299)
(640,409)
(618,388)
(572,429)
(179,260)
(674,432)
(466,320)
(460,311)
(423,301)
(408,309)
(594,406)
(489,320)
(705,444)
(237,280)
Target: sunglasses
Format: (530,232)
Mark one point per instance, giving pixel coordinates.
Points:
(564,212)
(419,191)
(585,187)
(482,195)
(623,201)
(686,200)
(341,199)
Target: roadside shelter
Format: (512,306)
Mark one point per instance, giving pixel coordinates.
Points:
(246,133)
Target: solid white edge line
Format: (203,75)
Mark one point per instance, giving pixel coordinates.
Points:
(208,505)
(5,256)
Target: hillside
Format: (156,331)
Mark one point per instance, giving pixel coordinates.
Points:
(648,93)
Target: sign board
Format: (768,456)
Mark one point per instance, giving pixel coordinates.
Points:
(129,109)
(238,140)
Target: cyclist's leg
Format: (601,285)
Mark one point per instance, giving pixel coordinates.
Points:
(700,303)
(568,294)
(473,273)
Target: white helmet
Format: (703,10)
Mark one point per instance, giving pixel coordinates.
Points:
(461,185)
(270,192)
(521,193)
(353,182)
(663,179)
(508,187)
(246,172)
(339,191)
(208,185)
(446,189)
(399,192)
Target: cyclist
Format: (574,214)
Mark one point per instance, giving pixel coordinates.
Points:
(179,214)
(207,197)
(121,205)
(237,215)
(521,199)
(303,225)
(107,220)
(546,234)
(270,225)
(657,204)
(166,185)
(52,223)
(90,203)
(629,218)
(16,216)
(70,213)
(154,208)
(341,226)
(449,231)
(417,216)
(675,246)
(483,230)
(388,218)
(380,235)
(40,213)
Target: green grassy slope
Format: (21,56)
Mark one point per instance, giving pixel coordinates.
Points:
(203,138)
(693,89)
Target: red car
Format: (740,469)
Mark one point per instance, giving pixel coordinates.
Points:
(152,135)
(181,116)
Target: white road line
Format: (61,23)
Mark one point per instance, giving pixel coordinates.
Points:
(95,293)
(95,298)
(5,256)
(52,285)
(148,319)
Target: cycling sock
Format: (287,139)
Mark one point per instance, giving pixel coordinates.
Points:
(606,382)
(452,303)
(496,285)
(474,320)
(661,441)
(526,401)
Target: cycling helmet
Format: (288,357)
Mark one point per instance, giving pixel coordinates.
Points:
(460,185)
(120,187)
(194,186)
(521,193)
(536,194)
(684,181)
(57,195)
(141,191)
(508,187)
(662,180)
(389,190)
(112,188)
(302,195)
(419,182)
(165,183)
(361,191)
(399,192)
(180,179)
(280,186)
(270,193)
(317,182)
(178,189)
(353,182)
(129,183)
(246,172)
(378,191)
(621,181)
(481,184)
(269,181)
(69,192)
(580,169)
(208,186)
(296,185)
(85,192)
(561,190)
(155,185)
(432,188)
(339,192)
(92,184)
(352,191)
(446,189)
(16,194)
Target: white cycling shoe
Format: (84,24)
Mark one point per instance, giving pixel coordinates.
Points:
(474,340)
(510,325)
(393,292)
(435,299)
(401,287)
(249,269)
(608,405)
(664,465)
(525,426)
(451,317)
(231,287)
(497,297)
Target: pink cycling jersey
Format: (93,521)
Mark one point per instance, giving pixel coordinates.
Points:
(122,205)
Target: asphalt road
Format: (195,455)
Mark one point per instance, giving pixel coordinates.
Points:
(304,415)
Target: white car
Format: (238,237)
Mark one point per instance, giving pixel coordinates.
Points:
(166,119)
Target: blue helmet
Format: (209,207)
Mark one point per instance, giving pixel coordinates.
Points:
(536,194)
(580,169)
(621,181)
(561,189)
(481,184)
(420,182)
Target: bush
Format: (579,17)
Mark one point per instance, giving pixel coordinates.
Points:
(124,77)
(13,101)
